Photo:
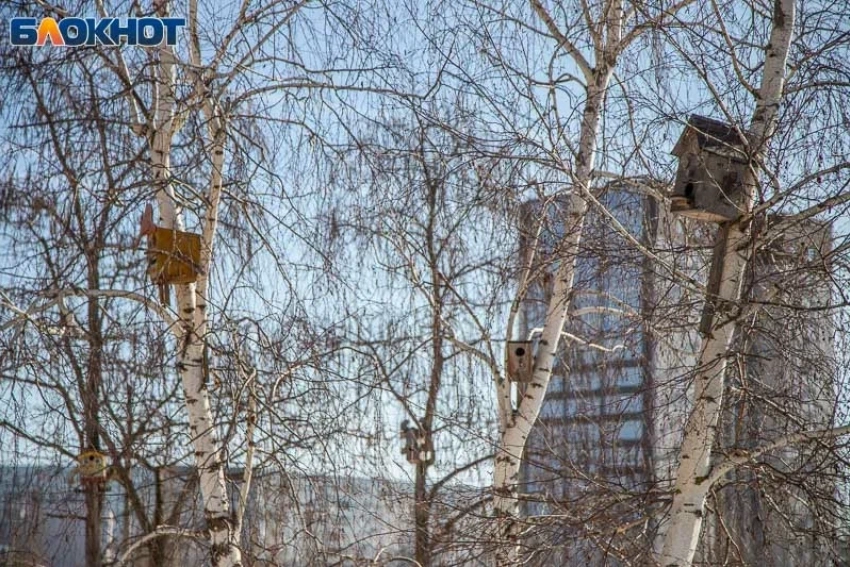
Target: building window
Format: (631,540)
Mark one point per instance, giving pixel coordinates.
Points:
(631,431)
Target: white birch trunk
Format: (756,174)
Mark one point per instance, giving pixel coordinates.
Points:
(191,309)
(694,464)
(516,426)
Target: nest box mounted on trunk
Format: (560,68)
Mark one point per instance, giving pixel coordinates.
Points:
(92,468)
(415,448)
(520,361)
(712,167)
(173,256)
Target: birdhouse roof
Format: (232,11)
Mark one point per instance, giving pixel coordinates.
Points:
(710,135)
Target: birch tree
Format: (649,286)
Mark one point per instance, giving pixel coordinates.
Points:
(421,237)
(191,299)
(691,490)
(73,329)
(161,128)
(696,471)
(192,117)
(586,44)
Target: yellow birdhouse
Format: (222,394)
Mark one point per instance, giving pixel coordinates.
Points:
(173,256)
(92,467)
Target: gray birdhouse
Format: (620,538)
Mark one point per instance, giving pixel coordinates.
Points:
(415,448)
(520,361)
(712,166)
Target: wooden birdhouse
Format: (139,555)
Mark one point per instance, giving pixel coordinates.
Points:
(520,361)
(92,467)
(174,256)
(415,448)
(712,167)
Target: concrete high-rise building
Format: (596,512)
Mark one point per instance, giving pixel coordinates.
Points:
(781,510)
(605,446)
(593,440)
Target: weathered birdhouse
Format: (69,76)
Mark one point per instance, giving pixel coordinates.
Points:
(415,448)
(92,467)
(174,256)
(712,167)
(520,361)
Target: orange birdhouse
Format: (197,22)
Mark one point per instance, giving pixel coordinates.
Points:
(174,256)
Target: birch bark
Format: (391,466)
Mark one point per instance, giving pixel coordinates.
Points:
(694,464)
(191,310)
(515,425)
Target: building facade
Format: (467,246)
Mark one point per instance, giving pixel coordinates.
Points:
(604,449)
(591,450)
(781,510)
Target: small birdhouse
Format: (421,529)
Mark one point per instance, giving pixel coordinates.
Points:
(520,361)
(92,467)
(415,448)
(174,256)
(712,166)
